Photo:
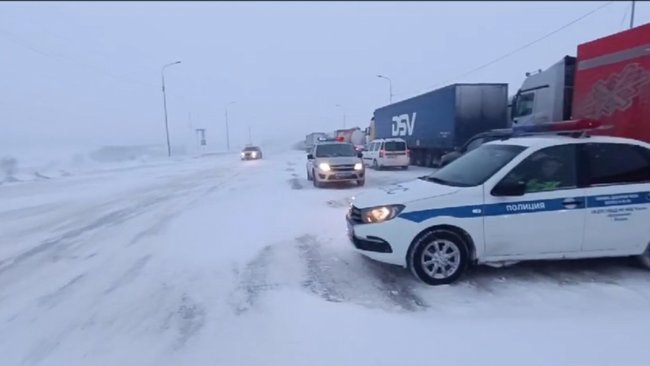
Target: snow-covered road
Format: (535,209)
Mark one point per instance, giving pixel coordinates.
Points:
(214,261)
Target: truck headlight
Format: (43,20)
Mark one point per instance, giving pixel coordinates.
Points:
(358,166)
(324,167)
(379,214)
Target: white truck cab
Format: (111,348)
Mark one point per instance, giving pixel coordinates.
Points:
(523,198)
(545,96)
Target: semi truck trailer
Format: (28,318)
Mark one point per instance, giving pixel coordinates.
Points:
(437,122)
(607,81)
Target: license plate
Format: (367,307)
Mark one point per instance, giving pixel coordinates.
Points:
(344,176)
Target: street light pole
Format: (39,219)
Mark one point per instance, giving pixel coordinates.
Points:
(390,87)
(227,129)
(162,73)
(632,14)
(343,110)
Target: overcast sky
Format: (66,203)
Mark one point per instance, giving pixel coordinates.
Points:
(76,73)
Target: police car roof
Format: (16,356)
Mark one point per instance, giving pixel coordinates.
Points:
(545,140)
(333,142)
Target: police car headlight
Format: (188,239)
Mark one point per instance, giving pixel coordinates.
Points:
(358,166)
(324,167)
(380,214)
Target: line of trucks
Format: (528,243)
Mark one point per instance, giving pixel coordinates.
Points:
(607,81)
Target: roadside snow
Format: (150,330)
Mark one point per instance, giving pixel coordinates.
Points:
(214,261)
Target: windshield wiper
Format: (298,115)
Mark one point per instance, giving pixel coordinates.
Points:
(429,178)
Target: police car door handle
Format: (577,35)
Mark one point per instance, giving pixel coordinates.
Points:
(572,203)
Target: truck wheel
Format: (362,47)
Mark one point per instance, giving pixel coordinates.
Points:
(644,258)
(405,167)
(438,258)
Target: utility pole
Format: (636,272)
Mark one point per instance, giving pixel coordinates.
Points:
(632,15)
(250,138)
(162,73)
(227,129)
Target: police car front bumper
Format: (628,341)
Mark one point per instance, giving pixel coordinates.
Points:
(378,241)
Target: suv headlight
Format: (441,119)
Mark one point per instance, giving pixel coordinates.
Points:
(324,167)
(358,166)
(379,214)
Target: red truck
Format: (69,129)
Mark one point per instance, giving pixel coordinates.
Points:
(608,81)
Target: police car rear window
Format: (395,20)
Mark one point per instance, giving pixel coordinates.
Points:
(477,166)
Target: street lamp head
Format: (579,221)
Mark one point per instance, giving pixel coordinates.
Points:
(177,62)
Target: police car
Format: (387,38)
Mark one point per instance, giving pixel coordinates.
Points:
(533,197)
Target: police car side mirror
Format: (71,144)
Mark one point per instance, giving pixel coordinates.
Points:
(360,154)
(509,189)
(310,156)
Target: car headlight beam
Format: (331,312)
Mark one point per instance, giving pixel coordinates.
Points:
(358,166)
(324,167)
(379,214)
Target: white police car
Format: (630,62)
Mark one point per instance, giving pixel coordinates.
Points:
(521,198)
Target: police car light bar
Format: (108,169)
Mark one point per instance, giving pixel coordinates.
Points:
(338,138)
(578,125)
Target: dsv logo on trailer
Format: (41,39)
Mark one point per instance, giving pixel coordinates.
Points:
(403,125)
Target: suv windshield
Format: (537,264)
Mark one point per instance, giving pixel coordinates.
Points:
(334,150)
(394,146)
(476,166)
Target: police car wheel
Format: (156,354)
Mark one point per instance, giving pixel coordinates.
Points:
(438,257)
(309,177)
(317,184)
(644,258)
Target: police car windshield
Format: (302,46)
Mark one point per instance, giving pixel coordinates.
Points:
(251,148)
(334,150)
(475,167)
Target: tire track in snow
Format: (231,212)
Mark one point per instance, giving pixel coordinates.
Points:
(356,279)
(188,319)
(253,280)
(129,275)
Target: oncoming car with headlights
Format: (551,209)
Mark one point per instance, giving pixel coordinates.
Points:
(524,198)
(332,161)
(251,153)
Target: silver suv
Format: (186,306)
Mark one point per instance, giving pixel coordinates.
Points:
(331,162)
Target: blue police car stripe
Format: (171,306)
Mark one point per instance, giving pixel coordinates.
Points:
(514,208)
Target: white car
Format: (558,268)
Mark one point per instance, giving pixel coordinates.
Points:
(385,153)
(523,198)
(335,162)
